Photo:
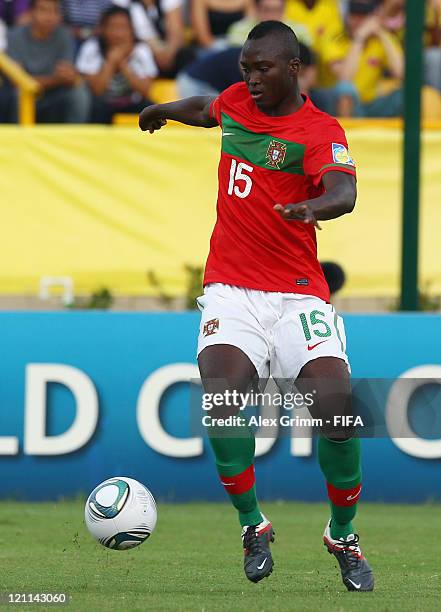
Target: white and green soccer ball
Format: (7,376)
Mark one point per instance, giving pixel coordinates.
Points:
(120,513)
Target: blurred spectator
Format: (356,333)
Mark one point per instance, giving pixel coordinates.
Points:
(432,54)
(324,23)
(359,61)
(118,69)
(161,24)
(433,23)
(211,19)
(45,49)
(393,17)
(266,10)
(12,12)
(322,18)
(83,16)
(210,74)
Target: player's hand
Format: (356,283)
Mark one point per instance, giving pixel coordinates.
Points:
(297,212)
(150,119)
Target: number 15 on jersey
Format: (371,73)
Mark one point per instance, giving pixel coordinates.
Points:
(240,183)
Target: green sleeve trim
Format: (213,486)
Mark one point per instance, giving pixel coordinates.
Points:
(346,166)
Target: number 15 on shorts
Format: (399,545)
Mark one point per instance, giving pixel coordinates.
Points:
(314,324)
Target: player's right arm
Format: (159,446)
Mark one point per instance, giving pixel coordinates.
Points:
(191,111)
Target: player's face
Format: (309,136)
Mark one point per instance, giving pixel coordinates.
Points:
(271,78)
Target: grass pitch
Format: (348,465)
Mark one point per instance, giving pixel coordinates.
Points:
(193,561)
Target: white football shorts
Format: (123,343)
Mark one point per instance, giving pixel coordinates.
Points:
(279,332)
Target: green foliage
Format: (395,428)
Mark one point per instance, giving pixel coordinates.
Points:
(154,281)
(427,301)
(193,286)
(101,299)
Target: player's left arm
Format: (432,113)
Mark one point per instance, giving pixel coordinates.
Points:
(338,199)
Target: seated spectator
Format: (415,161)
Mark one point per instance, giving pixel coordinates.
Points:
(82,16)
(118,69)
(12,12)
(211,19)
(322,18)
(432,52)
(359,61)
(160,23)
(266,10)
(210,73)
(45,49)
(324,22)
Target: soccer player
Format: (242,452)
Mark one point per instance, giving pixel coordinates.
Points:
(284,168)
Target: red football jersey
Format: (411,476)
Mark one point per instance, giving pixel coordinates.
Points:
(266,161)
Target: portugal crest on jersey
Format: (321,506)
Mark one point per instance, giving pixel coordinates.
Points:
(275,154)
(211,327)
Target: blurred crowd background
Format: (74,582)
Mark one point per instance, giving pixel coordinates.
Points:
(94,59)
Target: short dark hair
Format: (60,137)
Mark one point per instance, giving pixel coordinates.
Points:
(115,10)
(286,39)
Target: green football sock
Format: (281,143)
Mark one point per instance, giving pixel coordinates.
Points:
(341,464)
(234,461)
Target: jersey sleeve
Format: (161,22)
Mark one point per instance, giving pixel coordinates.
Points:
(328,151)
(215,110)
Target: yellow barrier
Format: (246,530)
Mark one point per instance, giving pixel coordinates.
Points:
(27,86)
(106,205)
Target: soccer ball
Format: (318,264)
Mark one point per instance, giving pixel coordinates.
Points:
(120,513)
